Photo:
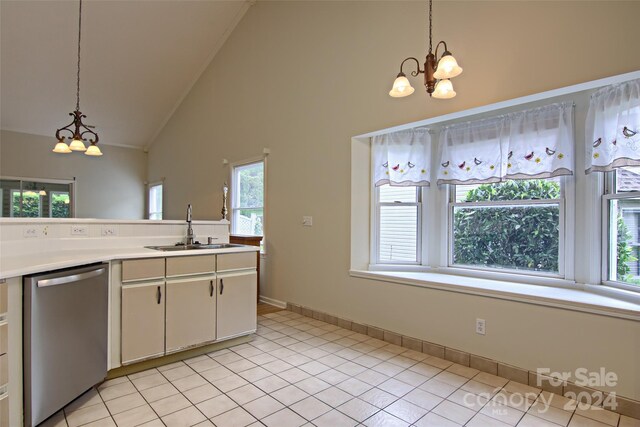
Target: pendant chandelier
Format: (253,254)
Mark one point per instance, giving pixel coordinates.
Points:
(77,131)
(437,72)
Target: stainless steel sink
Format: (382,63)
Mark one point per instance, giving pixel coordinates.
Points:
(196,246)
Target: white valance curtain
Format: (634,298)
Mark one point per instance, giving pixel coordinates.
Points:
(536,143)
(613,127)
(402,158)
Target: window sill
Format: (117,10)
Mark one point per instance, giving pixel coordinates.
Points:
(585,298)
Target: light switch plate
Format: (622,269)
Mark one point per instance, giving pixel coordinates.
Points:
(307,221)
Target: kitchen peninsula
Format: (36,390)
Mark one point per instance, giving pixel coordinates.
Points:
(158,302)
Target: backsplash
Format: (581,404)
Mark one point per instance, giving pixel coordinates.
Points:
(20,236)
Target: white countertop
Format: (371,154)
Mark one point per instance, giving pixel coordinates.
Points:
(20,265)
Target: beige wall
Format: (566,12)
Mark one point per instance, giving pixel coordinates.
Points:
(301,78)
(111,186)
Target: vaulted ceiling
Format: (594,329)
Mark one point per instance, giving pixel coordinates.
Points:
(139,60)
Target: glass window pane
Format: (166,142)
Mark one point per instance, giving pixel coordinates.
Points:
(527,189)
(155,202)
(389,194)
(623,241)
(248,221)
(521,237)
(7,196)
(627,179)
(60,204)
(26,204)
(398,233)
(250,185)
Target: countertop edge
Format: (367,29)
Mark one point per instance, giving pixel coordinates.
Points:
(89,256)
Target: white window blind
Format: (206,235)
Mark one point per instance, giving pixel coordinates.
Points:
(398,224)
(535,143)
(613,128)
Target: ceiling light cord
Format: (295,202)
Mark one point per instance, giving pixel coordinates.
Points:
(430,25)
(79,40)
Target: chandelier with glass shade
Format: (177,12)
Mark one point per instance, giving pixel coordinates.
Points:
(437,72)
(77,131)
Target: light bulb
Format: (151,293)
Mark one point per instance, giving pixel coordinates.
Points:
(77,145)
(447,67)
(401,87)
(444,90)
(93,150)
(61,147)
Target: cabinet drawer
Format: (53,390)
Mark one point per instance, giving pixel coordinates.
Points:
(4,287)
(186,265)
(141,269)
(4,335)
(4,369)
(237,261)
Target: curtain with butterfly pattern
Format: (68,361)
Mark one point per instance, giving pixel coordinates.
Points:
(534,143)
(613,127)
(402,158)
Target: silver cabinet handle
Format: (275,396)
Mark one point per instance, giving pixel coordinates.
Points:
(70,279)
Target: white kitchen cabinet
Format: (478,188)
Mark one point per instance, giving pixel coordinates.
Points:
(190,312)
(143,308)
(4,410)
(236,304)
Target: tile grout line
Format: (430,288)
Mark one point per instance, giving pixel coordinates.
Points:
(311,348)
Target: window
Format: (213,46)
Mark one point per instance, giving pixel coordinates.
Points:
(155,201)
(398,224)
(59,205)
(515,226)
(247,199)
(36,198)
(622,233)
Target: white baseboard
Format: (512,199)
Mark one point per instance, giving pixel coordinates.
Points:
(273,302)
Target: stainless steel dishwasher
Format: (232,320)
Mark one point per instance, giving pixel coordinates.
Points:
(65,337)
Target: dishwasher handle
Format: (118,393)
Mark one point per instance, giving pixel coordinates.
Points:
(70,279)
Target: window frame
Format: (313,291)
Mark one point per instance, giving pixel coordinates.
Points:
(421,260)
(234,191)
(149,188)
(564,236)
(21,180)
(609,195)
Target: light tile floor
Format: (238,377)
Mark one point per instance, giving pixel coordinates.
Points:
(298,371)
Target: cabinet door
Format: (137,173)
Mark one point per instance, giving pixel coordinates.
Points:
(191,312)
(236,305)
(142,321)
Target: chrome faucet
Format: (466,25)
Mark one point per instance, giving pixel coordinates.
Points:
(190,237)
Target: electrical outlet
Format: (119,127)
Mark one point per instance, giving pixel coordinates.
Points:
(30,232)
(307,221)
(79,230)
(109,230)
(481,327)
